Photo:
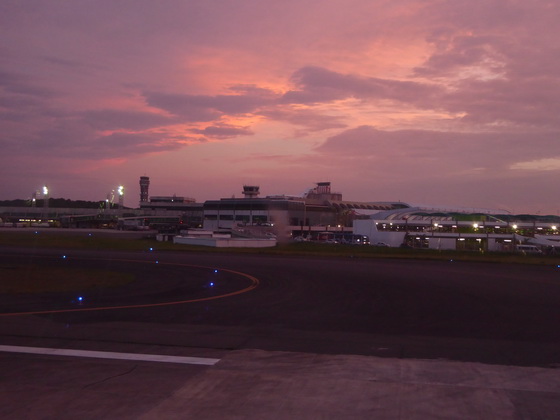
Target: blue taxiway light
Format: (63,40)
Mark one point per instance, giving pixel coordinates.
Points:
(212,284)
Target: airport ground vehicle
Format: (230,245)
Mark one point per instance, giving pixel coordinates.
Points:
(528,249)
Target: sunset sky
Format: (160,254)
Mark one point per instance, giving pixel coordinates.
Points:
(450,103)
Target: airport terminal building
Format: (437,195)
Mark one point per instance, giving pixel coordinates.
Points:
(318,208)
(310,216)
(462,230)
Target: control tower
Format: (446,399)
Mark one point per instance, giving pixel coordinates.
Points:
(322,193)
(144,185)
(251,191)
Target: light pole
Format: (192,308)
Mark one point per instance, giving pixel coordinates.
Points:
(120,192)
(45,202)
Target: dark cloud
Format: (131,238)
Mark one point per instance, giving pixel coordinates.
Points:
(115,145)
(254,91)
(223,131)
(445,168)
(23,108)
(491,151)
(15,83)
(188,107)
(316,85)
(109,119)
(131,144)
(500,59)
(25,103)
(65,63)
(489,84)
(494,80)
(531,103)
(311,120)
(71,137)
(462,52)
(64,137)
(208,108)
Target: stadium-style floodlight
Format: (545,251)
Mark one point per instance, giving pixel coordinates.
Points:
(45,213)
(120,193)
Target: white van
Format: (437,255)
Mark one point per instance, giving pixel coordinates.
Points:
(528,249)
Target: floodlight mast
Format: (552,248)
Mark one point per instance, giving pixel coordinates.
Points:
(45,202)
(120,191)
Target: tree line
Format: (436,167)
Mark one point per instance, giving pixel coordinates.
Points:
(57,203)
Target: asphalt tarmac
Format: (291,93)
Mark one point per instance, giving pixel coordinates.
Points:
(380,312)
(492,313)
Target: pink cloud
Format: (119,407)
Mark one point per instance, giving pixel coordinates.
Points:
(462,91)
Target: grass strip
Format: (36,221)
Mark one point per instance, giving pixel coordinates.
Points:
(34,278)
(89,241)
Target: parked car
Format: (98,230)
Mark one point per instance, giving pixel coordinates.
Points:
(381,244)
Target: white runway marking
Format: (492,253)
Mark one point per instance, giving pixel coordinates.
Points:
(111,355)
